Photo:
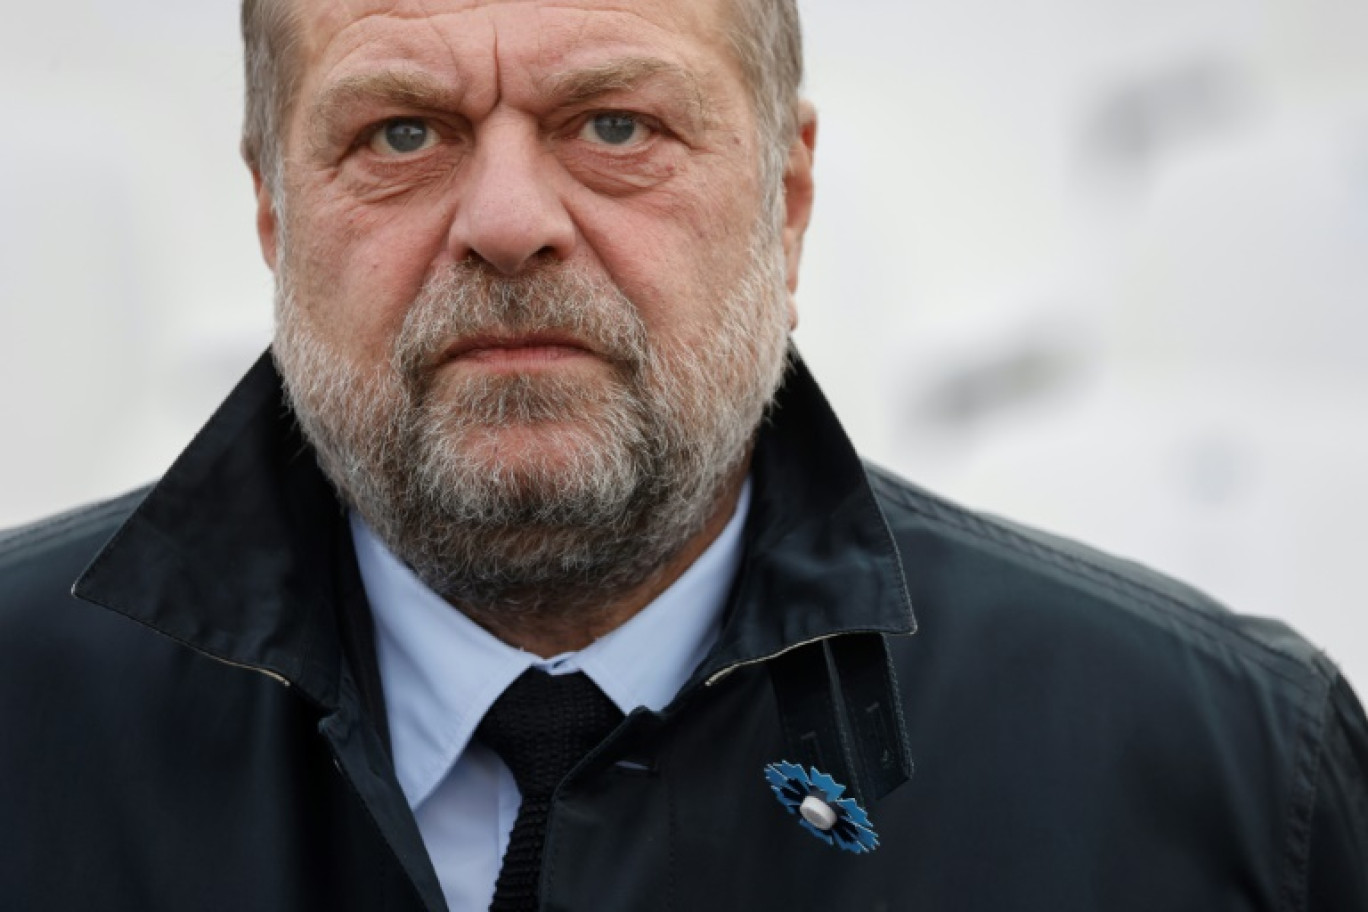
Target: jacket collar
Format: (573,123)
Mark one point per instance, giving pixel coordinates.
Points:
(820,558)
(232,552)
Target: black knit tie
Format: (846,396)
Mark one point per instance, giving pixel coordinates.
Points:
(541,727)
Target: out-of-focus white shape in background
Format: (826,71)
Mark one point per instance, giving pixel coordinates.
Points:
(1094,265)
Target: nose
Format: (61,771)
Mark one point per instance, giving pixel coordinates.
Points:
(509,213)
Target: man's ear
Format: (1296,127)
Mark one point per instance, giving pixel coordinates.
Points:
(266,224)
(798,194)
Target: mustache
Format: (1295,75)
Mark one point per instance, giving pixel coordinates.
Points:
(468,301)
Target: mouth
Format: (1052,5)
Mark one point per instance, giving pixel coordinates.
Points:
(519,351)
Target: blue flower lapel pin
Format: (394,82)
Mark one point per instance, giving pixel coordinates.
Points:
(815,798)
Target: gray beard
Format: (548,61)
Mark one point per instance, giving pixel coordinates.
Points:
(625,472)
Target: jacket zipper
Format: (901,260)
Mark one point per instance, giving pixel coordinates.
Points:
(719,675)
(279,679)
(722,673)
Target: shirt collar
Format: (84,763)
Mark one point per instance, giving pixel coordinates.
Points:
(441,671)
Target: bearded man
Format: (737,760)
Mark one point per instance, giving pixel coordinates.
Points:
(531,570)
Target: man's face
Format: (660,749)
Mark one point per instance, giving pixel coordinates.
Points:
(527,238)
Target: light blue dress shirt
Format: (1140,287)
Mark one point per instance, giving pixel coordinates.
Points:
(441,672)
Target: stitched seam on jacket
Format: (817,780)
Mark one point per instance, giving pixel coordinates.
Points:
(1306,774)
(890,550)
(672,841)
(1129,588)
(375,821)
(19,542)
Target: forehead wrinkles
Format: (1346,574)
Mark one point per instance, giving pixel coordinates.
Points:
(345,34)
(339,28)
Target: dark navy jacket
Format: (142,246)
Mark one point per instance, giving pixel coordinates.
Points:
(196,725)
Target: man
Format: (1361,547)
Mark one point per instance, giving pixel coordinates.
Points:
(557,584)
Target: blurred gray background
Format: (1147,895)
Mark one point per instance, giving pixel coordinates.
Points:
(1094,265)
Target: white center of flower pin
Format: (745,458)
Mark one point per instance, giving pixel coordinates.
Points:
(818,813)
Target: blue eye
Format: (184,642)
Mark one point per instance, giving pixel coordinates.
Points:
(613,129)
(403,137)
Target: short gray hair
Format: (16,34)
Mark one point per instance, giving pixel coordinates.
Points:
(270,38)
(767,40)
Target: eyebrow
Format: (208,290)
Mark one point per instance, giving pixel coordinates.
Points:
(419,90)
(413,90)
(581,85)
